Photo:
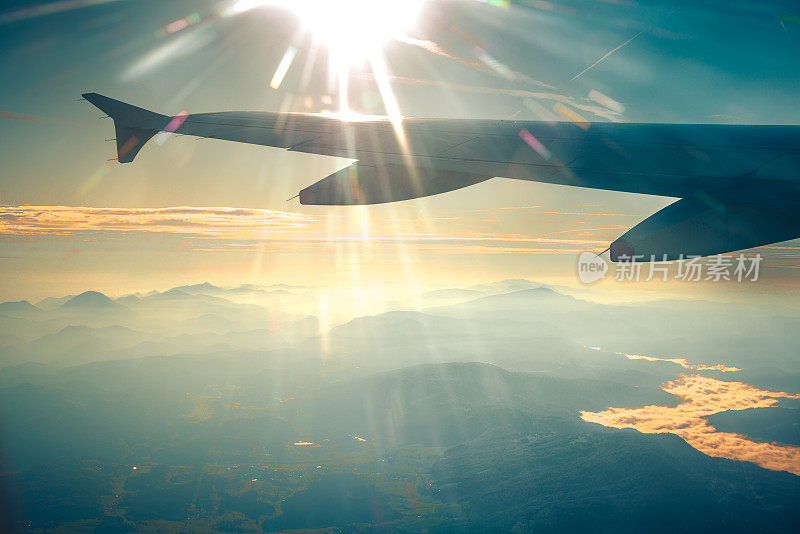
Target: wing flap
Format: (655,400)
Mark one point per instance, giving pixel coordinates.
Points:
(375,184)
(704,225)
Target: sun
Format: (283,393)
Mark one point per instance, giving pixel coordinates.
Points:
(353,30)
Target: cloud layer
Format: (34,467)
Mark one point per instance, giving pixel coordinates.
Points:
(703,396)
(222,228)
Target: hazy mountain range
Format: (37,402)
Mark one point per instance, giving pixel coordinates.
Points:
(491,322)
(245,409)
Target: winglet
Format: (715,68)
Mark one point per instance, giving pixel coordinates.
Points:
(134,126)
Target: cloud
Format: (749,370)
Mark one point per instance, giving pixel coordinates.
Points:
(212,222)
(230,229)
(683,362)
(703,396)
(584,214)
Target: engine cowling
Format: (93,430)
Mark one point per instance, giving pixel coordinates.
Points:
(703,225)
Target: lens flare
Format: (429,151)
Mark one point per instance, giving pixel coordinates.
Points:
(352,29)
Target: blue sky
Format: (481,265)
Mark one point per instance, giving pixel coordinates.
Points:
(732,62)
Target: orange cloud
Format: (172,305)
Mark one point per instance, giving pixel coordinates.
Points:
(584,214)
(683,362)
(215,222)
(703,396)
(223,228)
(616,227)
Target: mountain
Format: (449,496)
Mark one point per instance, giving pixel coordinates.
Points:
(172,294)
(51,303)
(243,293)
(21,330)
(499,328)
(775,424)
(28,372)
(182,299)
(402,338)
(526,301)
(537,330)
(91,300)
(185,409)
(446,404)
(258,445)
(737,336)
(288,287)
(772,378)
(74,345)
(129,300)
(590,480)
(506,286)
(196,288)
(445,296)
(21,308)
(395,327)
(209,323)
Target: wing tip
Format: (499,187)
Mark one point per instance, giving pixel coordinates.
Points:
(307,197)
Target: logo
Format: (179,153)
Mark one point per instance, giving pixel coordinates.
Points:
(591,267)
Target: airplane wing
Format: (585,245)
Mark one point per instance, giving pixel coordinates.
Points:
(739,185)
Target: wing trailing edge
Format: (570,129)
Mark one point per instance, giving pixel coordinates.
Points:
(703,225)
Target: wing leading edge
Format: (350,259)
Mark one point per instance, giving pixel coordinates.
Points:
(742,177)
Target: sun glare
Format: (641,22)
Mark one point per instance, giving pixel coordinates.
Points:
(353,30)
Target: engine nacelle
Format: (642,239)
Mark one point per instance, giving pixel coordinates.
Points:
(703,225)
